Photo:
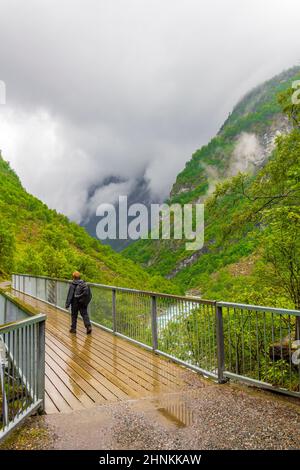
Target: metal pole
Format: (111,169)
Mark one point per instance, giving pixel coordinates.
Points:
(114,310)
(2,380)
(297,329)
(56,293)
(154,323)
(41,363)
(220,344)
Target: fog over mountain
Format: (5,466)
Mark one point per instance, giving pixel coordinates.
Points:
(107,98)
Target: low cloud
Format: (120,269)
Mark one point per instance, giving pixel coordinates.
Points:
(99,90)
(247,153)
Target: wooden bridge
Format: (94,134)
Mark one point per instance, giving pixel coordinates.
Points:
(82,371)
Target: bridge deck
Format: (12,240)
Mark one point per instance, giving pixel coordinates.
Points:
(82,371)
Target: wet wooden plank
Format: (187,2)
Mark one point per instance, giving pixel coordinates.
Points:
(80,375)
(112,372)
(69,382)
(113,361)
(106,388)
(50,407)
(56,397)
(72,400)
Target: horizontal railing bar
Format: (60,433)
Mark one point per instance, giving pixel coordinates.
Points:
(260,384)
(155,294)
(41,277)
(186,364)
(29,310)
(21,323)
(128,290)
(259,308)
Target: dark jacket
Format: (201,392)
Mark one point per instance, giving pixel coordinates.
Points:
(71,293)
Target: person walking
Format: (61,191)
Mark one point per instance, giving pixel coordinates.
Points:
(79,297)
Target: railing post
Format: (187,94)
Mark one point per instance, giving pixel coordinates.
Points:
(297,328)
(220,344)
(41,364)
(56,293)
(2,383)
(5,310)
(114,310)
(154,323)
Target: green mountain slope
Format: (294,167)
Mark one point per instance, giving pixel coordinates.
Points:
(244,141)
(37,240)
(232,264)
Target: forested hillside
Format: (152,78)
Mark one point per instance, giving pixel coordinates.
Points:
(248,177)
(37,240)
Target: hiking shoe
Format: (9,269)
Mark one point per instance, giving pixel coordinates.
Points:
(88,331)
(72,331)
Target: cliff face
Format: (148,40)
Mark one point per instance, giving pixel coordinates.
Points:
(244,143)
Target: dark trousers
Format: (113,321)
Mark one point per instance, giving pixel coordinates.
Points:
(76,308)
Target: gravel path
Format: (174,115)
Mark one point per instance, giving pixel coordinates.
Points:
(212,417)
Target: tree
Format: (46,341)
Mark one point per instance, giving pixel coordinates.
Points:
(289,101)
(281,242)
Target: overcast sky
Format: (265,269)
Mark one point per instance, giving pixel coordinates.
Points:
(128,88)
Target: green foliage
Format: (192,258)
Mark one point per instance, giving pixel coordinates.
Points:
(281,243)
(275,372)
(289,107)
(7,247)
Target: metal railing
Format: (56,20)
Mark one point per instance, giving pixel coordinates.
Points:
(22,363)
(261,346)
(221,340)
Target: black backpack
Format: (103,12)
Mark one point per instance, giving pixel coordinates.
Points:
(83,293)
